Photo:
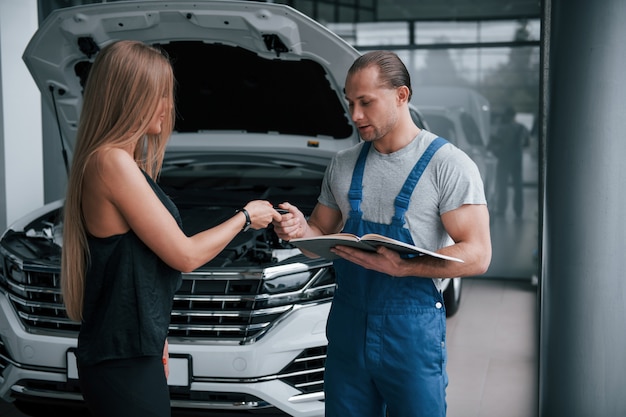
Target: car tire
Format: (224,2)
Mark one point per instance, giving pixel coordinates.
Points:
(452,297)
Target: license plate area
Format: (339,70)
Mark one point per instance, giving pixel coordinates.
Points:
(179,367)
(180,370)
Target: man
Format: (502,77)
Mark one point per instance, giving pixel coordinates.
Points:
(386,328)
(508,144)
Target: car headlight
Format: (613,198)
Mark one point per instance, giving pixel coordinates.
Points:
(286,283)
(297,283)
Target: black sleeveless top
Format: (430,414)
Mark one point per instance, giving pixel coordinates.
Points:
(129,292)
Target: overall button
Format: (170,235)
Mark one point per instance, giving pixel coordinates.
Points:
(438,305)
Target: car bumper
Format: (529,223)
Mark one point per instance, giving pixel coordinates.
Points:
(203,375)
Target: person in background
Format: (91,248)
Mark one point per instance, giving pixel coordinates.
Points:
(387,325)
(507,145)
(124,248)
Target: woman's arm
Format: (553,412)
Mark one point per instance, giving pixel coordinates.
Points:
(120,198)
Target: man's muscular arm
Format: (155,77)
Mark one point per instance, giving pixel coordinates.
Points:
(468,226)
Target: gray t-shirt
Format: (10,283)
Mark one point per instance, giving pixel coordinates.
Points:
(450,180)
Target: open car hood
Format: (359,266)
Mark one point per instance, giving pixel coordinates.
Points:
(250,75)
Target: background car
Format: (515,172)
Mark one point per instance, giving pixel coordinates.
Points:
(462,116)
(260,113)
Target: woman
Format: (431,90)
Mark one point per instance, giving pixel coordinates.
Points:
(124,248)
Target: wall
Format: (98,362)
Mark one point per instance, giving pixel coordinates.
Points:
(583,296)
(21,156)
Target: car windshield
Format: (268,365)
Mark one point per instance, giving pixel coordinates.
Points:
(442,126)
(471,130)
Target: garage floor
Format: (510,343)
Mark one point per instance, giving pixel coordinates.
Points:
(492,350)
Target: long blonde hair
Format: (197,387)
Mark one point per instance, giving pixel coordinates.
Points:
(125,85)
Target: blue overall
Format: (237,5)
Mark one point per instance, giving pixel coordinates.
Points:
(386,335)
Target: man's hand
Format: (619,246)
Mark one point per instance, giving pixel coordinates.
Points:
(469,228)
(383,260)
(292,224)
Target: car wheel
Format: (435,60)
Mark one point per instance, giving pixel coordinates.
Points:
(452,297)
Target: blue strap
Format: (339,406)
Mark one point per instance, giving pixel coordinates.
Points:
(355,195)
(404,197)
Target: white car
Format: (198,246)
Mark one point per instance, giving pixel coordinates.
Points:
(260,114)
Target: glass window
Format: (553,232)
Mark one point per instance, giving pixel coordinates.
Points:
(386,33)
(445,32)
(508,30)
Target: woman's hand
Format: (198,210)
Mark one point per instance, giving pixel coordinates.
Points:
(166,357)
(261,213)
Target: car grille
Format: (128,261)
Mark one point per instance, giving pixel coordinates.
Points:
(225,306)
(222,306)
(306,372)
